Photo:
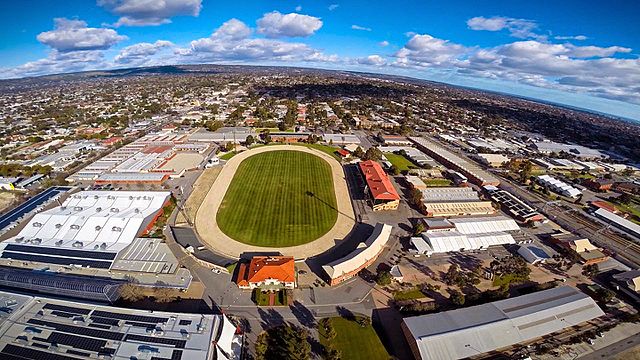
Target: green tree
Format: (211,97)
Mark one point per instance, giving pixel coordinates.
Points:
(249,140)
(590,270)
(418,228)
(373,153)
(456,297)
(383,278)
(358,152)
(394,170)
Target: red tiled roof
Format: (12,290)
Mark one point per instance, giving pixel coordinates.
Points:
(604,205)
(379,184)
(343,152)
(261,268)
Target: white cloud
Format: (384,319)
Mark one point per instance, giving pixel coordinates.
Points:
(358,27)
(299,8)
(74,35)
(141,53)
(232,42)
(383,43)
(375,60)
(576,37)
(276,25)
(150,12)
(519,28)
(333,7)
(59,62)
(425,50)
(594,51)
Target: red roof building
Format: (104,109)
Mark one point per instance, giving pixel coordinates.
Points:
(343,153)
(382,192)
(268,272)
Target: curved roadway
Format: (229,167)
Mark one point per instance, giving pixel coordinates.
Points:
(210,234)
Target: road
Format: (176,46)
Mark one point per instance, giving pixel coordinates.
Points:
(614,349)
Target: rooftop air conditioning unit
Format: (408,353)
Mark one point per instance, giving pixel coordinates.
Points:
(78,244)
(98,209)
(59,243)
(77,208)
(58,226)
(115,210)
(36,241)
(98,227)
(37,224)
(116,229)
(75,227)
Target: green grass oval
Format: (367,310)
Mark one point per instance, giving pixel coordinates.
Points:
(278,199)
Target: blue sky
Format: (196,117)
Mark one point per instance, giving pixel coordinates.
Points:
(578,53)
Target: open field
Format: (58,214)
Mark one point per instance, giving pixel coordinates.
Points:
(200,190)
(278,199)
(401,162)
(6,199)
(354,341)
(437,182)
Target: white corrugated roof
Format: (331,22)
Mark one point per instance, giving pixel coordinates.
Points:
(479,329)
(485,224)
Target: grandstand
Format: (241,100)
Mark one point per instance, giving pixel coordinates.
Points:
(88,230)
(91,288)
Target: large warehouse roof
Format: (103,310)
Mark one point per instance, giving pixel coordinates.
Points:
(468,168)
(449,194)
(365,251)
(479,329)
(90,227)
(447,241)
(619,221)
(485,224)
(44,328)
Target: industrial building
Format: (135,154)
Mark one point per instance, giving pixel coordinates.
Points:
(533,254)
(472,171)
(459,208)
(449,194)
(515,207)
(476,330)
(42,328)
(364,255)
(382,193)
(588,253)
(90,229)
(341,139)
(462,234)
(558,186)
(621,223)
(415,155)
(268,271)
(492,160)
(151,159)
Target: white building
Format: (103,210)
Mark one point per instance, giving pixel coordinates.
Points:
(90,228)
(476,330)
(558,186)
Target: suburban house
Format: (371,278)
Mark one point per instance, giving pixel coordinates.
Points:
(270,272)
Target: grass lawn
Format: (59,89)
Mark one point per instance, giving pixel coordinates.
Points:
(279,198)
(408,295)
(437,182)
(262,298)
(324,148)
(228,155)
(354,341)
(401,162)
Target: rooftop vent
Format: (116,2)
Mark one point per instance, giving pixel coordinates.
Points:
(98,209)
(78,244)
(75,227)
(77,208)
(36,241)
(58,226)
(59,243)
(116,229)
(115,210)
(37,224)
(98,227)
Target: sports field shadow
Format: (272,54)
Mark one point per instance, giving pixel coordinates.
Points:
(312,195)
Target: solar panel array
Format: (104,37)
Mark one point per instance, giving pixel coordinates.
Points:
(56,260)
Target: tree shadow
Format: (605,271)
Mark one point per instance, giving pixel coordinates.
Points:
(303,314)
(345,313)
(312,195)
(270,318)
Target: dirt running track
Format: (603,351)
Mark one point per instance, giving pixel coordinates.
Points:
(210,234)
